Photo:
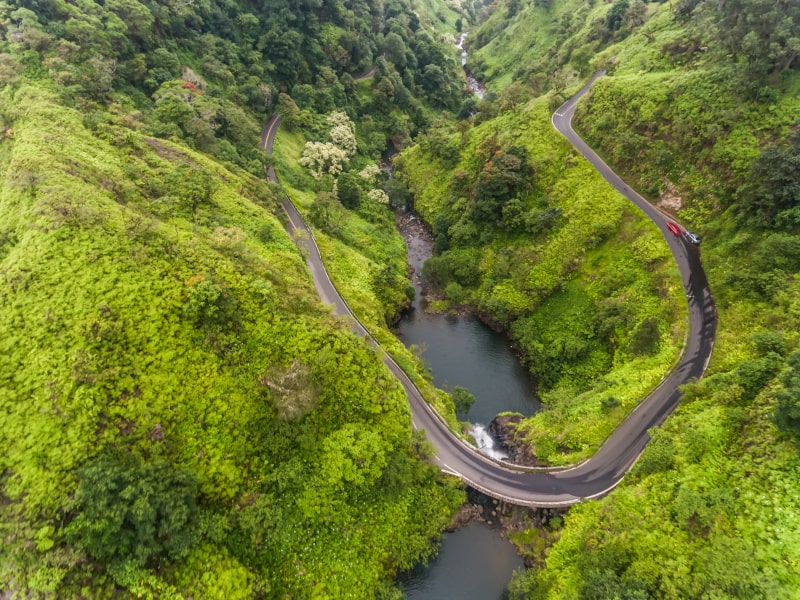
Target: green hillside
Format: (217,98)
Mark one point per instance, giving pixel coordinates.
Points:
(548,44)
(582,280)
(181,416)
(699,113)
(164,353)
(704,124)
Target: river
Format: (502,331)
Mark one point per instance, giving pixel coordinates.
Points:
(475,562)
(461,350)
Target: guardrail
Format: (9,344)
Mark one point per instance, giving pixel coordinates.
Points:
(411,388)
(387,358)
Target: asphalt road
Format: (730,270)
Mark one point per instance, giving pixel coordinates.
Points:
(600,474)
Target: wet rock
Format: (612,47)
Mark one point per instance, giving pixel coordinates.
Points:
(468,513)
(503,429)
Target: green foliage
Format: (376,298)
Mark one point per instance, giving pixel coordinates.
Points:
(645,338)
(755,374)
(693,120)
(615,15)
(609,403)
(348,190)
(221,575)
(129,510)
(501,178)
(773,259)
(459,266)
(207,302)
(787,411)
(760,36)
(658,456)
(454,292)
(561,270)
(177,323)
(772,196)
(462,399)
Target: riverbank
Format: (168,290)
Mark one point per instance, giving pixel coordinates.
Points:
(485,545)
(457,346)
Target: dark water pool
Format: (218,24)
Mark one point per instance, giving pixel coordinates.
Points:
(461,350)
(474,563)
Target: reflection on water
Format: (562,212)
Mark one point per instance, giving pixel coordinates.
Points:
(461,350)
(474,563)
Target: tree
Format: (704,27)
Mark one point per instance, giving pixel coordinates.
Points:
(501,178)
(435,84)
(635,15)
(646,338)
(462,399)
(468,108)
(762,35)
(616,15)
(330,157)
(194,185)
(324,211)
(207,302)
(131,510)
(343,137)
(753,375)
(348,190)
(321,158)
(288,109)
(787,412)
(398,192)
(657,456)
(395,50)
(772,196)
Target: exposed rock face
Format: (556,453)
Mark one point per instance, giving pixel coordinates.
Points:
(669,197)
(468,513)
(503,429)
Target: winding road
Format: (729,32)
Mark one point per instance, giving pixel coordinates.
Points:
(554,487)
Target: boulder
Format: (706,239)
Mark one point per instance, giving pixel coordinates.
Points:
(504,429)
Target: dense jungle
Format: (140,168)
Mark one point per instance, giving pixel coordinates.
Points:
(182,417)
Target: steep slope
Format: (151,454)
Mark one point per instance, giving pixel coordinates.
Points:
(181,416)
(542,246)
(699,112)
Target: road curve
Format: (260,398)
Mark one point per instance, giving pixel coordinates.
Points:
(600,474)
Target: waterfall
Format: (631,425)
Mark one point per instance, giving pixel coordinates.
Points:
(486,442)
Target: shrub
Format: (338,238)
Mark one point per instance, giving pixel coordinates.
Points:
(462,399)
(646,338)
(454,292)
(129,510)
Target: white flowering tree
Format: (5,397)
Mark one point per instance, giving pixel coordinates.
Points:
(378,196)
(330,157)
(370,174)
(343,137)
(321,158)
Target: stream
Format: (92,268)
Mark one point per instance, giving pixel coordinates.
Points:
(461,350)
(473,85)
(475,562)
